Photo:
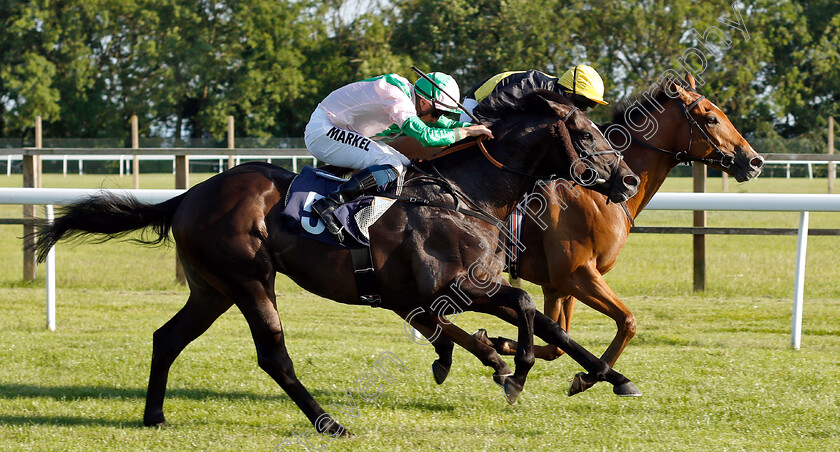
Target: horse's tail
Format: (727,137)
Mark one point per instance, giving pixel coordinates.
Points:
(108,215)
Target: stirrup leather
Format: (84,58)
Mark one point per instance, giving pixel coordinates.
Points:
(325,208)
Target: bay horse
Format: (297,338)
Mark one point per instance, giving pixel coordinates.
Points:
(585,234)
(231,242)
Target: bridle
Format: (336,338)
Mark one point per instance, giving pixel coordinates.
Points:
(479,142)
(725,159)
(581,151)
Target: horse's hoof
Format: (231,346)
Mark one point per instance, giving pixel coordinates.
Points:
(512,390)
(155,420)
(500,379)
(344,433)
(481,336)
(580,383)
(440,371)
(336,430)
(160,424)
(627,390)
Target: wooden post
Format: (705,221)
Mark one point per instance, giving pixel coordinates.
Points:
(725,182)
(831,168)
(135,144)
(182,180)
(699,239)
(231,142)
(31,179)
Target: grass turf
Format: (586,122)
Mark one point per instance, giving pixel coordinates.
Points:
(716,368)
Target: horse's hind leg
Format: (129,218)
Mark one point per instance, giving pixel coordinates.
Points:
(202,309)
(443,345)
(260,311)
(518,302)
(443,335)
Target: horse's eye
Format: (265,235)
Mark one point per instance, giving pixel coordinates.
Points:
(711,120)
(587,136)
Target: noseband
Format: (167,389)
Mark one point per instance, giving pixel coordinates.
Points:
(725,159)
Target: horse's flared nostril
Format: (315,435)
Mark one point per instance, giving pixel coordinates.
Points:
(756,162)
(631,181)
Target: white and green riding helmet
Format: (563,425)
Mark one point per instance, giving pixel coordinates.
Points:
(440,100)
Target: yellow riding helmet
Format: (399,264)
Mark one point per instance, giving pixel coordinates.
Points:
(584,80)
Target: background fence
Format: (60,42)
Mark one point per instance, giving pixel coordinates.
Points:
(802,203)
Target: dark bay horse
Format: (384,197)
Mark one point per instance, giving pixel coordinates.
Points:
(231,242)
(583,239)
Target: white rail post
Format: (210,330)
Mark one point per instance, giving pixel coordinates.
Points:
(231,142)
(50,270)
(135,144)
(831,151)
(799,282)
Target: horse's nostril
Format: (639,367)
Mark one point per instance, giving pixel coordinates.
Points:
(631,181)
(757,162)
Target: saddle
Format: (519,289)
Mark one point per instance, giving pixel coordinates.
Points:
(356,217)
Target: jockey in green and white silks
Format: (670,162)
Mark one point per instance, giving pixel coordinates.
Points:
(341,130)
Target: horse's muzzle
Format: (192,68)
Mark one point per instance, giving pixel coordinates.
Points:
(748,164)
(623,188)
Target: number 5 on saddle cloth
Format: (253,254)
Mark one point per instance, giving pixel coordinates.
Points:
(355,217)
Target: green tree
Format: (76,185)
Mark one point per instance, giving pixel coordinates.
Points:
(26,74)
(478,38)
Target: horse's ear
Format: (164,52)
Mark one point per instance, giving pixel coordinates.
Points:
(674,88)
(690,80)
(560,109)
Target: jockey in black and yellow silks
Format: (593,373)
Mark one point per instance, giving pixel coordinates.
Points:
(581,84)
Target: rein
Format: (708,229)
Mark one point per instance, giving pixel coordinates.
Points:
(480,143)
(725,160)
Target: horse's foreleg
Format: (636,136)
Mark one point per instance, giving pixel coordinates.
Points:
(261,313)
(201,310)
(442,344)
(598,295)
(480,350)
(518,301)
(556,306)
(597,369)
(443,335)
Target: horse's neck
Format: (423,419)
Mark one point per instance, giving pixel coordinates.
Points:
(651,166)
(493,190)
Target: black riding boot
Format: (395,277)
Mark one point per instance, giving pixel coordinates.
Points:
(359,184)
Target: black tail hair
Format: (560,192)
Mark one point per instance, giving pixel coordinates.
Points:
(109,216)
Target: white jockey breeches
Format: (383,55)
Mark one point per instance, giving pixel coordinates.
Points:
(341,147)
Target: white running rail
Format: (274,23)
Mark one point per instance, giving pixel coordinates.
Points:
(802,203)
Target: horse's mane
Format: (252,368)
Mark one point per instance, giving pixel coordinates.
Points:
(510,117)
(660,95)
(533,102)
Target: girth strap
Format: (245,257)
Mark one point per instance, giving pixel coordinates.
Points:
(366,284)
